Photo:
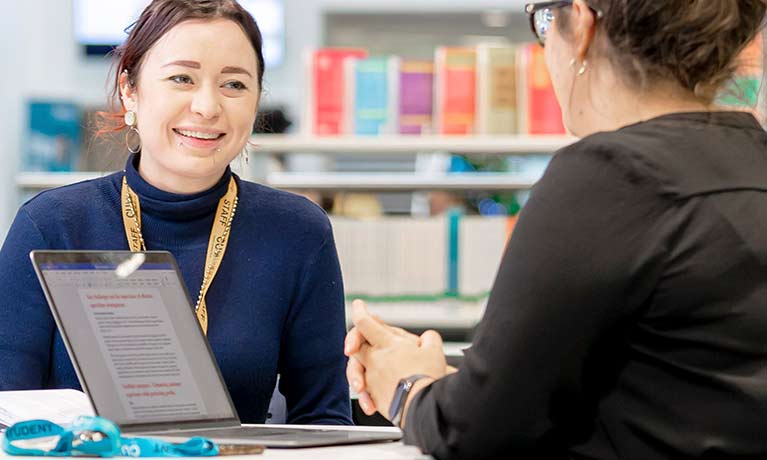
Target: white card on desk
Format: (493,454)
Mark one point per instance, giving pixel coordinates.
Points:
(58,406)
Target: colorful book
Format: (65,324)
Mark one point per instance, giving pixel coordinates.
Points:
(539,111)
(455,90)
(327,91)
(416,97)
(53,139)
(371,95)
(496,89)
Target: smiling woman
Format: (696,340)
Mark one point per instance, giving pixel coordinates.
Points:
(205,74)
(262,263)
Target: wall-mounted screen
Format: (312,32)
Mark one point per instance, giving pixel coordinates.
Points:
(100,25)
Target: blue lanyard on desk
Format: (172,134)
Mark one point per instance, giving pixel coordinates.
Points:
(94,436)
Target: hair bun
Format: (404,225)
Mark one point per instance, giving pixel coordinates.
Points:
(694,42)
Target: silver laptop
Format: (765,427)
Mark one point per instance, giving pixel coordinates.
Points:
(141,357)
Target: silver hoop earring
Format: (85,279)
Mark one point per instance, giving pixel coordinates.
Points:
(130,121)
(245,154)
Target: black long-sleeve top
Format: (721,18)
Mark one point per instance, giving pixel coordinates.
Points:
(628,319)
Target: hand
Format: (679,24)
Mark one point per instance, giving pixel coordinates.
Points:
(355,372)
(388,356)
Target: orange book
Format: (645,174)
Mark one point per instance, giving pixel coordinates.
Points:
(328,88)
(539,111)
(455,90)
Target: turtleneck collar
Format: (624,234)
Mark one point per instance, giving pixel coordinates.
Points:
(174,206)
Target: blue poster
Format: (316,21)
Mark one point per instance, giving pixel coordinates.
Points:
(53,137)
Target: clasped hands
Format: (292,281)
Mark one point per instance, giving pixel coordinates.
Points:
(380,355)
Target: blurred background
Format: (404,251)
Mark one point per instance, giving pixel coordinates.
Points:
(419,125)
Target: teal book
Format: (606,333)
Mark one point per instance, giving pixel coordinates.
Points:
(375,92)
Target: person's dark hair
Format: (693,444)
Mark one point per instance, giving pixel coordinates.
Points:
(157,19)
(692,42)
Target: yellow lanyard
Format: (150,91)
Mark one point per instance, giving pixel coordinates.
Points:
(219,237)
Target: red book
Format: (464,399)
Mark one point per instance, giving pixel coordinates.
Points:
(539,112)
(455,90)
(328,88)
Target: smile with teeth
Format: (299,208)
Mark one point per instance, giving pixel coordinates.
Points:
(198,135)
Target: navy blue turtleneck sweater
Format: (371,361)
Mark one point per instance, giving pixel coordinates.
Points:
(275,306)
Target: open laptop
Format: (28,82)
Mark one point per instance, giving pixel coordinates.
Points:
(142,358)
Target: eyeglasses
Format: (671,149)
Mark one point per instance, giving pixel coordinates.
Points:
(542,14)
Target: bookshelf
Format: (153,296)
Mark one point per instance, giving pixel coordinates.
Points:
(326,181)
(44,180)
(398,182)
(467,145)
(417,316)
(368,146)
(447,315)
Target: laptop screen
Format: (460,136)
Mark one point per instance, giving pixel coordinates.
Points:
(133,336)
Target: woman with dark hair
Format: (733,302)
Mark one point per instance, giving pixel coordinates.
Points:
(189,81)
(629,316)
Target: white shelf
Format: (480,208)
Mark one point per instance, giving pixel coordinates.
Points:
(46,180)
(455,349)
(426,315)
(399,181)
(276,143)
(327,181)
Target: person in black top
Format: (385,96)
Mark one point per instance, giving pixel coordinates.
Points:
(628,319)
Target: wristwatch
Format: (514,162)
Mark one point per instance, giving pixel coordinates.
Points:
(397,406)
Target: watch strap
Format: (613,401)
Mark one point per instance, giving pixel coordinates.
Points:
(401,393)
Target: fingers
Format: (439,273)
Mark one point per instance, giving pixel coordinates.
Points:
(374,332)
(355,374)
(431,339)
(397,330)
(353,341)
(362,356)
(377,318)
(366,403)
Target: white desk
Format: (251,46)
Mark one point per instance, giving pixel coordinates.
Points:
(375,451)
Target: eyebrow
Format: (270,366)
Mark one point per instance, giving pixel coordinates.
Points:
(190,64)
(196,65)
(230,69)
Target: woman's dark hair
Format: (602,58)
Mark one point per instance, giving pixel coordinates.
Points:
(693,42)
(157,19)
